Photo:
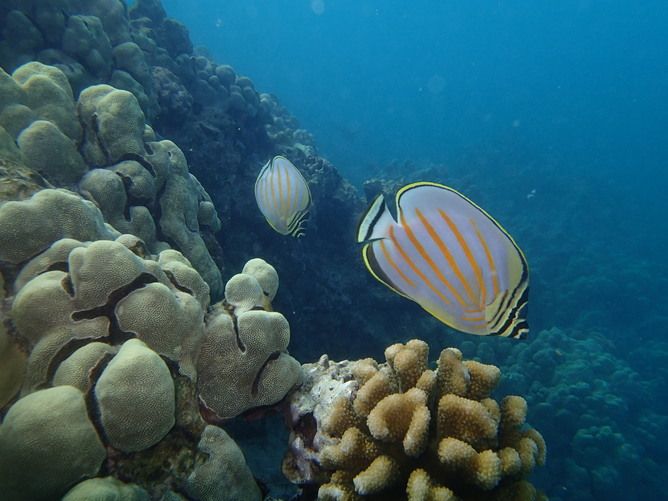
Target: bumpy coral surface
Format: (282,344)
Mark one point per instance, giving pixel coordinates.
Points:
(401,430)
(99,352)
(245,343)
(100,146)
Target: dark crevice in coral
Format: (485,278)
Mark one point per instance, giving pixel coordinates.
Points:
(307,427)
(57,266)
(139,249)
(209,415)
(176,283)
(140,160)
(240,344)
(8,273)
(91,402)
(132,201)
(256,381)
(65,351)
(127,185)
(172,365)
(107,309)
(98,138)
(66,283)
(230,310)
(157,217)
(209,130)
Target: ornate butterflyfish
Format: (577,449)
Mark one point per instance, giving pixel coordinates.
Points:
(283,196)
(449,256)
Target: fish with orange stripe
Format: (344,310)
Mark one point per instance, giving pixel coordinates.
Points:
(449,256)
(283,196)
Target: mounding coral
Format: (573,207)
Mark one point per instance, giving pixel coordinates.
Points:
(100,146)
(401,430)
(106,360)
(245,343)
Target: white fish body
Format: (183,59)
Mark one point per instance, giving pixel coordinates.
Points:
(283,196)
(449,256)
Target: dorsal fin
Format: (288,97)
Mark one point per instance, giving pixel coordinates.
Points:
(375,221)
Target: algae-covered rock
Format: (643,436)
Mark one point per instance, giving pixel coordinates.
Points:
(135,395)
(17,182)
(224,476)
(48,443)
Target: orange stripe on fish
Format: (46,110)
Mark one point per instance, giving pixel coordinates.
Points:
(394,265)
(446,254)
(418,246)
(415,269)
(490,258)
(473,262)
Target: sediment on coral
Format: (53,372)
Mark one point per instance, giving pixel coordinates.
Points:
(402,430)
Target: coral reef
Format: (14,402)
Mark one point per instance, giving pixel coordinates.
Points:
(226,128)
(101,148)
(596,412)
(247,344)
(400,429)
(106,340)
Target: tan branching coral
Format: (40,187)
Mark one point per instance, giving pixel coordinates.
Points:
(421,488)
(433,434)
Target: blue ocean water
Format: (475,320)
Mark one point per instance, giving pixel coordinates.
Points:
(555,111)
(552,116)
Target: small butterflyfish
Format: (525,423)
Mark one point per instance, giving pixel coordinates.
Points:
(449,256)
(283,196)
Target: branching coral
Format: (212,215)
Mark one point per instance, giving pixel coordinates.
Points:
(400,430)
